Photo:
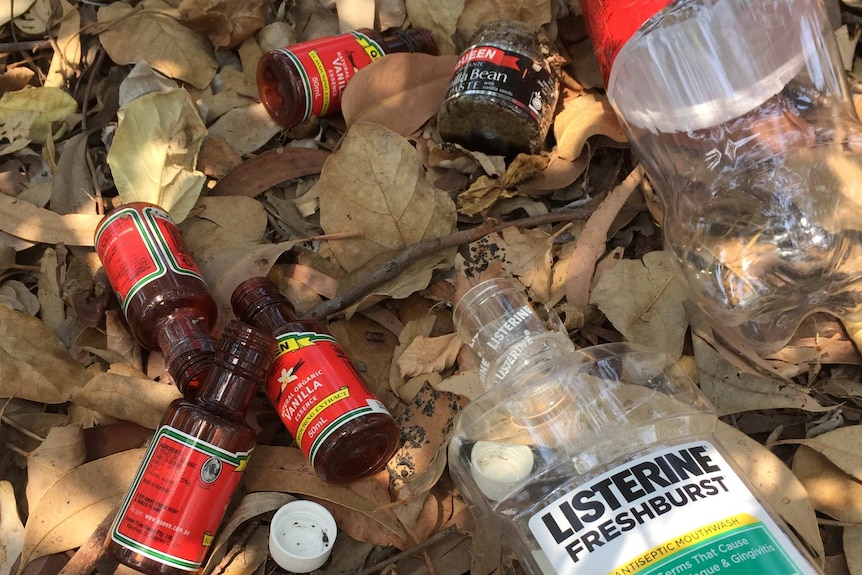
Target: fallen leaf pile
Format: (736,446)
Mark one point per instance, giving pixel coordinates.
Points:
(372,224)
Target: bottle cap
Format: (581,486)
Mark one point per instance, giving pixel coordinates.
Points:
(301,536)
(498,468)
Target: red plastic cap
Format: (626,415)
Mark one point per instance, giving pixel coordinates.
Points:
(610,24)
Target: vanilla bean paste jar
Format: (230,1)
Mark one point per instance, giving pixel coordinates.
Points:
(502,94)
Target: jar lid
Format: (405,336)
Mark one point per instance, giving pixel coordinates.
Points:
(498,468)
(301,536)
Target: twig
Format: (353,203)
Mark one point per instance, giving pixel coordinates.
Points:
(431,541)
(392,268)
(84,561)
(7,47)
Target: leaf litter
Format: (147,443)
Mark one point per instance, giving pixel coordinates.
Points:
(367,221)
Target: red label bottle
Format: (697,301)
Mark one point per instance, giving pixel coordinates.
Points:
(307,79)
(342,428)
(170,516)
(611,23)
(167,304)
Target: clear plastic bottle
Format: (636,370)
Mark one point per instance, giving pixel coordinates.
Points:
(343,429)
(602,460)
(741,115)
(307,79)
(168,520)
(166,302)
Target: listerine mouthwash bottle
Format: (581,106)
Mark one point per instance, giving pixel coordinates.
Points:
(602,460)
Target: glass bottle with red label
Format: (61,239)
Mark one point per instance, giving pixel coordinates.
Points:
(602,460)
(503,92)
(166,302)
(171,514)
(307,79)
(343,429)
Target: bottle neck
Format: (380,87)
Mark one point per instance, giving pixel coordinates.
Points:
(240,364)
(413,40)
(259,302)
(497,322)
(188,349)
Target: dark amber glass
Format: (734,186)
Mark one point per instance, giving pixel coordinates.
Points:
(166,302)
(285,81)
(216,417)
(356,448)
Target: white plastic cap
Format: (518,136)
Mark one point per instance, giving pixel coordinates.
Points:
(301,536)
(498,467)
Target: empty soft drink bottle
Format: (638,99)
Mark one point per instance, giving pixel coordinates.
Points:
(740,112)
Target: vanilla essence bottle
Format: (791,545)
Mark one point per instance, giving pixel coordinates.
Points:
(602,460)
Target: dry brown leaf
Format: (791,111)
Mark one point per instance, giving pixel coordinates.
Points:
(842,446)
(426,426)
(285,469)
(228,266)
(429,354)
(34,364)
(17,296)
(412,329)
(224,221)
(401,91)
(586,115)
(832,491)
(487,191)
(11,528)
(251,506)
(267,169)
(371,348)
(311,19)
(465,383)
(225,22)
(154,153)
(72,187)
(560,173)
(124,396)
(249,555)
(649,311)
(247,128)
(238,89)
(354,14)
(479,12)
(439,16)
(150,32)
(71,509)
(591,241)
(26,221)
(776,482)
(67,55)
(62,451)
(51,305)
(731,390)
(375,184)
(529,256)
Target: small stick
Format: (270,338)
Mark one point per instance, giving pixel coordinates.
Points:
(84,561)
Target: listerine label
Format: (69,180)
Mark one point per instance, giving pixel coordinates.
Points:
(681,510)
